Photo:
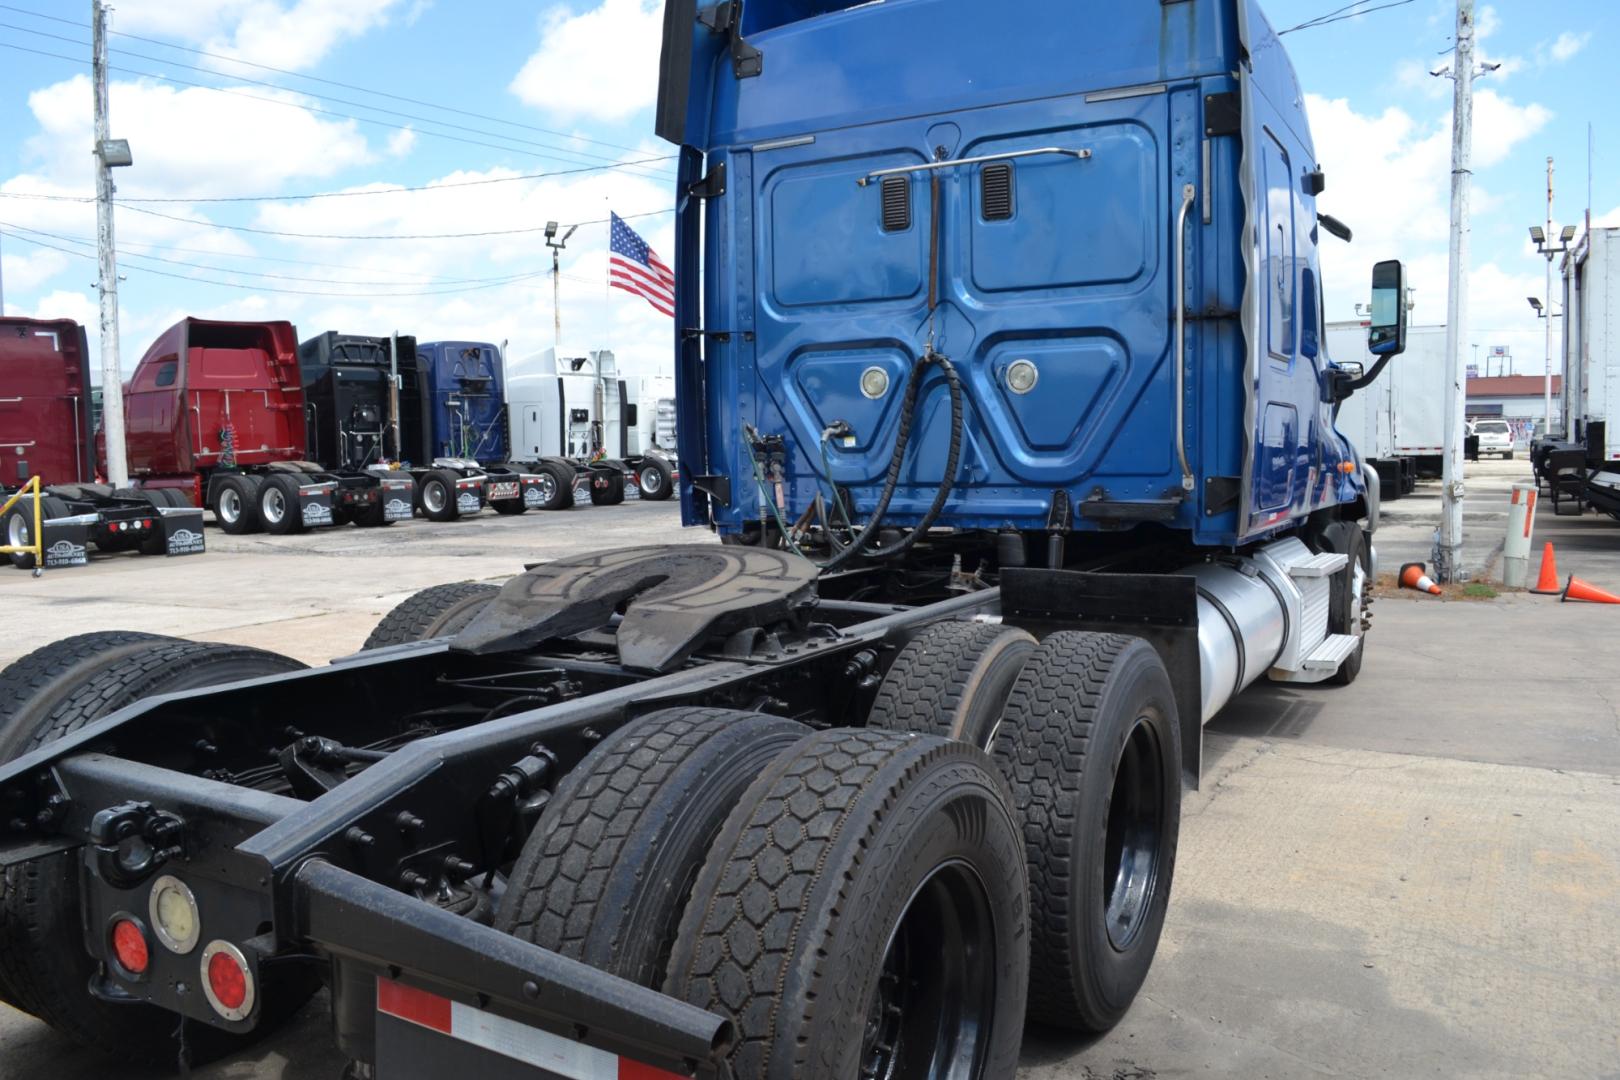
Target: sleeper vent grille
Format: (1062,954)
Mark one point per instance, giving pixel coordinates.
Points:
(896,204)
(996,191)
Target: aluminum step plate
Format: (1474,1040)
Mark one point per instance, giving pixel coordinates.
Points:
(1331,653)
(1317,566)
(673,600)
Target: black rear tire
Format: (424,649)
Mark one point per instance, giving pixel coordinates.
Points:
(18,526)
(1090,744)
(655,479)
(236,505)
(605,876)
(278,505)
(438,611)
(864,909)
(43,961)
(612,494)
(556,486)
(952,680)
(437,496)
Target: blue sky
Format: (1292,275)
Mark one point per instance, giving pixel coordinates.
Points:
(570,86)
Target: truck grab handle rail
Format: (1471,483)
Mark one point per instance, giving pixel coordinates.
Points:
(1189,195)
(1079,155)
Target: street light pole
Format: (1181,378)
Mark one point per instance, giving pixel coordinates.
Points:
(556,245)
(1546,383)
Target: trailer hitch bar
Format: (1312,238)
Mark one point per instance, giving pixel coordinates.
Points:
(1080,154)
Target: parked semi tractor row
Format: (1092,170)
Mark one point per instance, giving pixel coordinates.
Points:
(1581,464)
(45,432)
(271,434)
(1002,371)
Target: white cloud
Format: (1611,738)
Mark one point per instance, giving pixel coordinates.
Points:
(190,142)
(1611,220)
(287,35)
(1564,47)
(401,142)
(23,269)
(1389,178)
(600,64)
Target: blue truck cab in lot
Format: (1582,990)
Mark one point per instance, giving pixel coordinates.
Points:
(1001,376)
(1104,216)
(466,385)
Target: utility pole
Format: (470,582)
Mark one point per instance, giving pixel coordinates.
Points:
(110,153)
(1546,383)
(1448,548)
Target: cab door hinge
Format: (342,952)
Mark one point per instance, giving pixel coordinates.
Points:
(711,186)
(726,18)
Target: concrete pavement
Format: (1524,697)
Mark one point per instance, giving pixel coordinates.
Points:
(1414,876)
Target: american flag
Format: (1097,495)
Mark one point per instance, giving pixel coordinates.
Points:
(635,267)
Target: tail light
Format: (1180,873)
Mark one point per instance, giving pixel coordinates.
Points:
(227,980)
(129,945)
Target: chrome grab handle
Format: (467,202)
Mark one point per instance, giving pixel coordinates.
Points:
(10,400)
(1189,195)
(1080,155)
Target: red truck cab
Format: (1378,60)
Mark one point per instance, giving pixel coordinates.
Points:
(210,394)
(44,402)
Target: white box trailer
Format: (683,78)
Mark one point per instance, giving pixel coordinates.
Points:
(1589,452)
(1399,422)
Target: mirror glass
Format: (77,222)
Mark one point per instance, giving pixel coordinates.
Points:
(1387,335)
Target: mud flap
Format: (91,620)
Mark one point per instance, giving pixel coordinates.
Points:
(66,540)
(182,532)
(315,503)
(532,496)
(398,498)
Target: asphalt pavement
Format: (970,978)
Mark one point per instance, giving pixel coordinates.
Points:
(1414,876)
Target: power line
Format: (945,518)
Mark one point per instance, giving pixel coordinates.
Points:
(1334,16)
(287,292)
(327,82)
(376,236)
(340,194)
(324,112)
(338,100)
(280,277)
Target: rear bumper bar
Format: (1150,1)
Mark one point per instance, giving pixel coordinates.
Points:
(373,932)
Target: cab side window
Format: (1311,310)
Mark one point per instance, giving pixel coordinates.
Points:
(166,374)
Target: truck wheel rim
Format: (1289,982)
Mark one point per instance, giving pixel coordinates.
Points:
(274,506)
(930,1016)
(548,487)
(651,481)
(433,496)
(230,506)
(17,531)
(1134,835)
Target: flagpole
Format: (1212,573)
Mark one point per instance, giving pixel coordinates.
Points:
(607,274)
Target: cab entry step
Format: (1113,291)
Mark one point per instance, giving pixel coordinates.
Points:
(420,1035)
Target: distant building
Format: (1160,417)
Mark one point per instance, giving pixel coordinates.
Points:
(1515,398)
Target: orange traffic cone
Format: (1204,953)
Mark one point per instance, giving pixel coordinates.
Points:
(1547,584)
(1413,576)
(1580,590)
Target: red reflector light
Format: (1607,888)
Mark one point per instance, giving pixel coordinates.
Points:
(228,981)
(129,947)
(145,524)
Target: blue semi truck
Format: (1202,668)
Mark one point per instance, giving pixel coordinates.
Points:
(1002,377)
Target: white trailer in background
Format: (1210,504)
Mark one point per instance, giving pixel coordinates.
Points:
(1585,463)
(580,409)
(1399,422)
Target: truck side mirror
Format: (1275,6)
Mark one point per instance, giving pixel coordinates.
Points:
(1387,335)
